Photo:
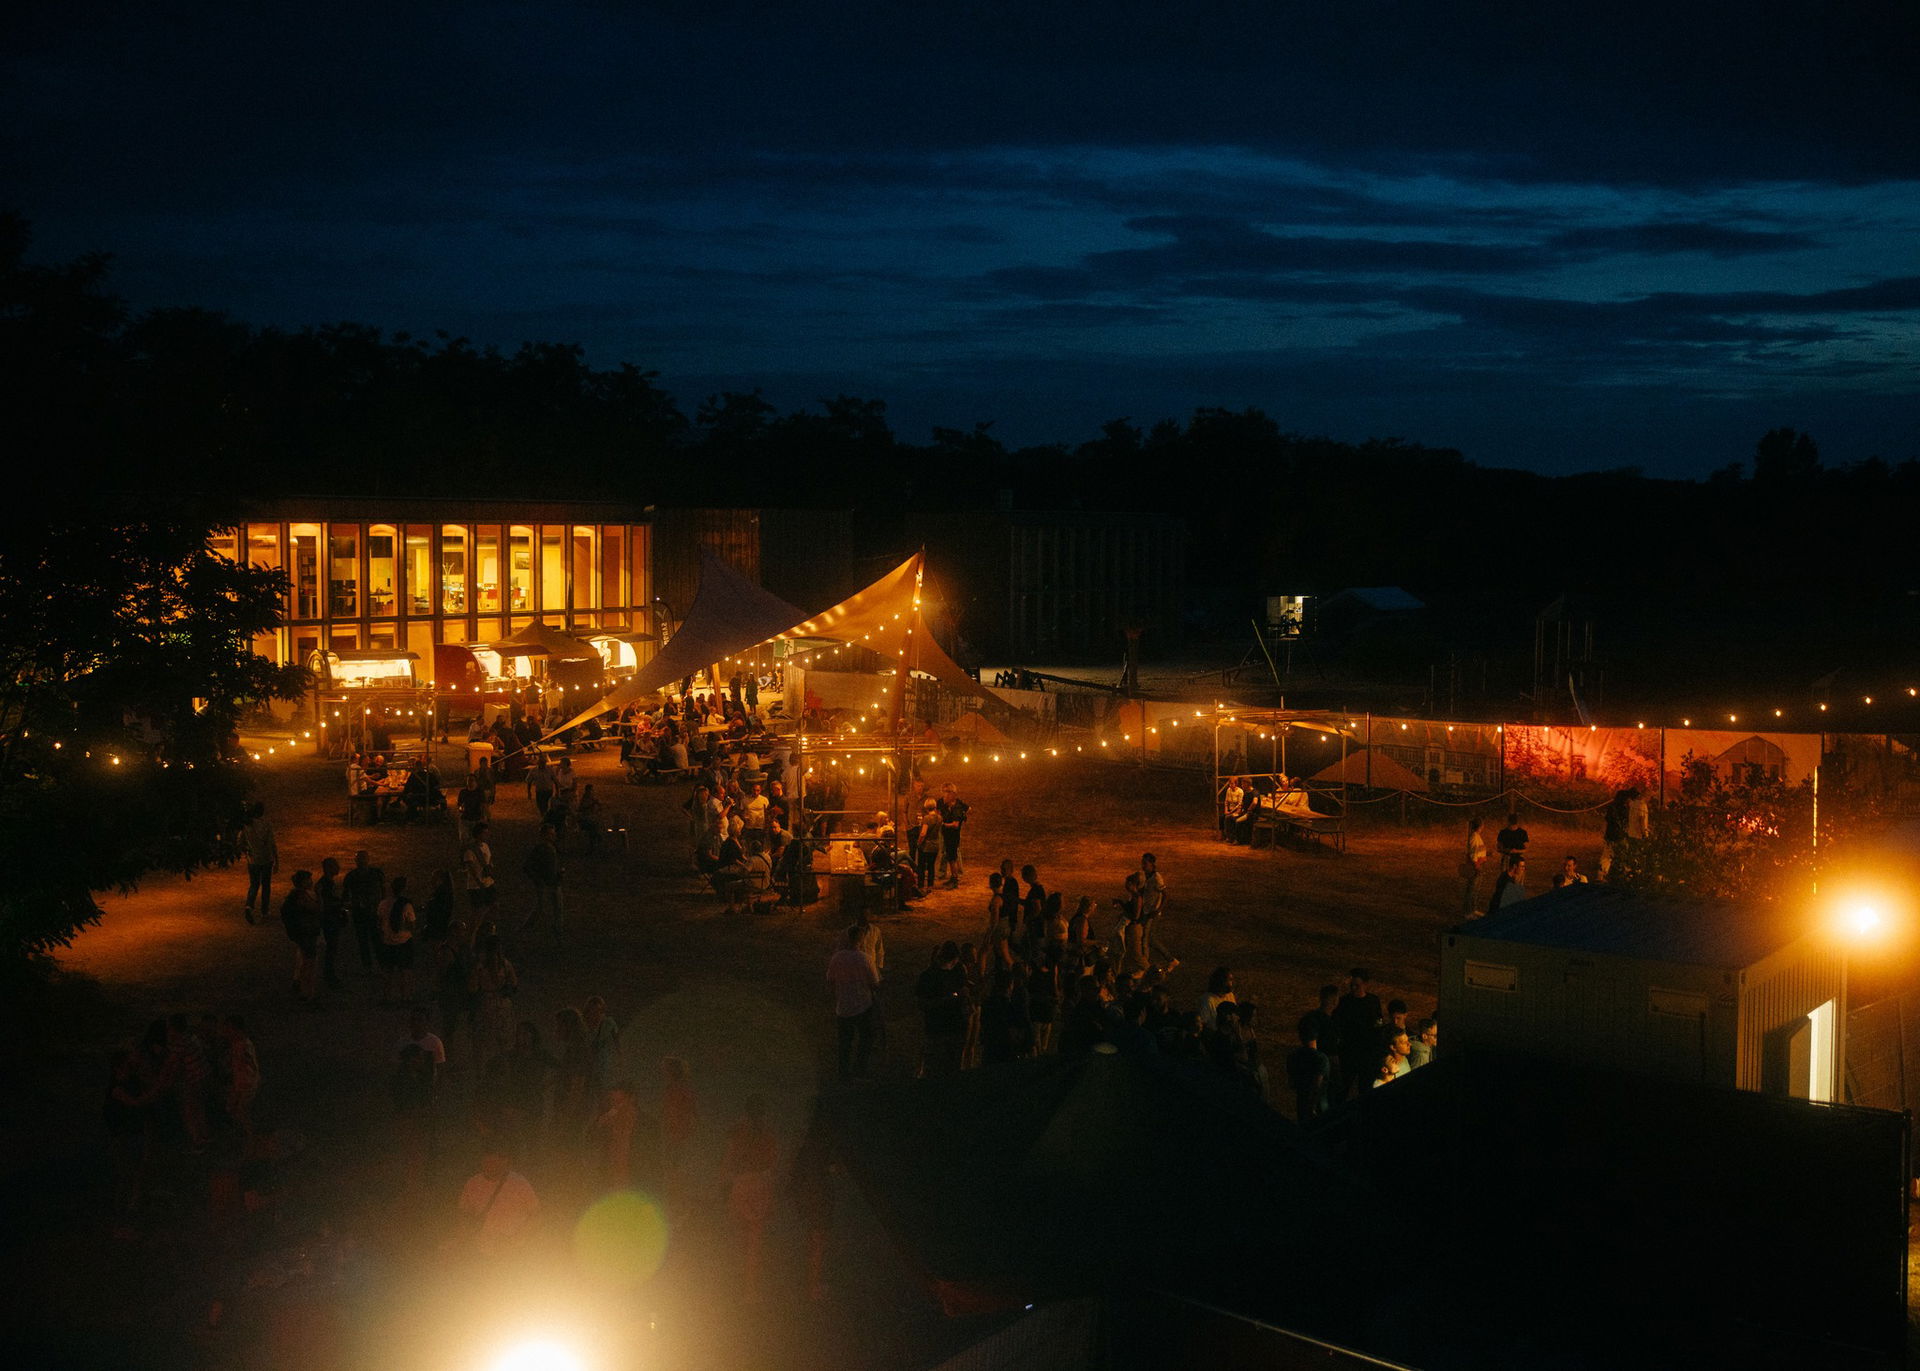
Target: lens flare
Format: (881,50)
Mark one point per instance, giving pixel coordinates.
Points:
(621,1240)
(1864,919)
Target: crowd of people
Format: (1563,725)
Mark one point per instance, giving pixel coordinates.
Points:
(185,1084)
(546,1099)
(1510,857)
(1043,980)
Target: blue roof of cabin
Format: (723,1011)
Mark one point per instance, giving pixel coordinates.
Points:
(1621,923)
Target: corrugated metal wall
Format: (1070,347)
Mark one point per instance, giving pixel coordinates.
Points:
(1788,985)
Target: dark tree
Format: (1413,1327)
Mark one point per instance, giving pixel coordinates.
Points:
(126,663)
(1784,457)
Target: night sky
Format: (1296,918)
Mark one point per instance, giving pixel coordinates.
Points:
(1554,238)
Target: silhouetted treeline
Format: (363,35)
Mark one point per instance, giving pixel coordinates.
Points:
(1773,577)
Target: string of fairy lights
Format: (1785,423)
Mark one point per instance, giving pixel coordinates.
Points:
(970,750)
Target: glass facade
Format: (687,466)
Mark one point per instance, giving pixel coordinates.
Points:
(418,584)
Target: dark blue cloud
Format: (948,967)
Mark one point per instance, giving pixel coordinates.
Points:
(1045,213)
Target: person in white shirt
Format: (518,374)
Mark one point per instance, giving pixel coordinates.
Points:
(498,1204)
(854,980)
(1472,864)
(476,860)
(1230,801)
(754,822)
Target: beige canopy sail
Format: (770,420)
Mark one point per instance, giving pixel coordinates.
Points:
(887,618)
(729,614)
(1383,773)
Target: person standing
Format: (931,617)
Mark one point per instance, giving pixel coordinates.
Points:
(1357,1017)
(365,887)
(476,865)
(242,1075)
(1511,886)
(1512,838)
(942,993)
(492,983)
(398,923)
(436,915)
(472,806)
(1618,820)
(333,919)
(1153,904)
(852,978)
(1472,864)
(953,821)
(545,869)
(603,1043)
(498,1205)
(421,1035)
(1426,1037)
(586,817)
(1393,1061)
(300,915)
(262,852)
(540,784)
(1309,1072)
(753,1155)
(611,1137)
(679,1117)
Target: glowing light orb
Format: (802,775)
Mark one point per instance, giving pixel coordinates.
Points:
(1864,920)
(621,1240)
(538,1354)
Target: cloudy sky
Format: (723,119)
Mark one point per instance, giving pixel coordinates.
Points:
(1632,234)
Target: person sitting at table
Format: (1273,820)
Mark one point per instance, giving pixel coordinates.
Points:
(642,753)
(477,729)
(362,787)
(724,865)
(1251,799)
(883,868)
(421,790)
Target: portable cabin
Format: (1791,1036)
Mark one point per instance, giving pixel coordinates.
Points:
(1731,994)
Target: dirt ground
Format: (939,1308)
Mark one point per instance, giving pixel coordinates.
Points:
(740,997)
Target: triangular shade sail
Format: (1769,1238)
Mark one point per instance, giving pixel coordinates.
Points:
(886,617)
(729,614)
